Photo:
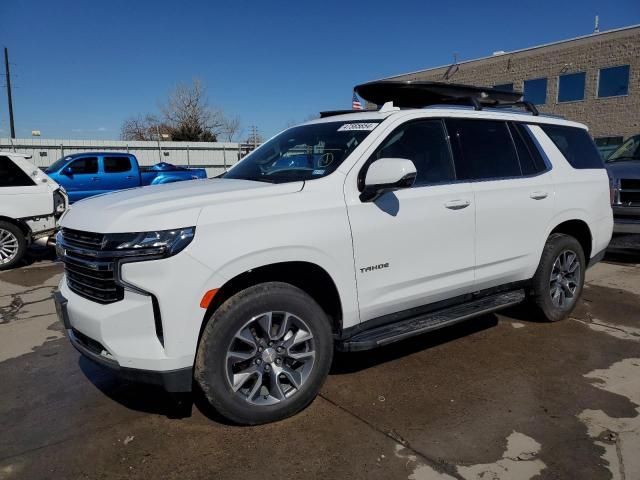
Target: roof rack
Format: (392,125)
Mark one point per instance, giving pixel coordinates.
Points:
(332,113)
(418,94)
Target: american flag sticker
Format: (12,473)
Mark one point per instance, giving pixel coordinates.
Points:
(355,102)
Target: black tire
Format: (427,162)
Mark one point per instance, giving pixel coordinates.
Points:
(542,286)
(7,228)
(211,367)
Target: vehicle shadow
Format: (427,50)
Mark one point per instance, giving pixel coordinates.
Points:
(154,400)
(351,362)
(36,254)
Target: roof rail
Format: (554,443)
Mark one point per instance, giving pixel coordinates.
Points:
(418,94)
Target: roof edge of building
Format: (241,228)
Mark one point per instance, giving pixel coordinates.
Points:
(549,44)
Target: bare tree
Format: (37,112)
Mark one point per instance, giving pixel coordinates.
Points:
(187,110)
(148,127)
(185,116)
(231,128)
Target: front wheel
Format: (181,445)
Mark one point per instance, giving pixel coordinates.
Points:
(559,279)
(13,245)
(264,354)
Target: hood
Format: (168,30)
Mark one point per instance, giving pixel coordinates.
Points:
(163,207)
(623,169)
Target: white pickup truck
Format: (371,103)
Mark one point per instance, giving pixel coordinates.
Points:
(351,231)
(30,203)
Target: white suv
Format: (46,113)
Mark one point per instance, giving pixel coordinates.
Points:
(30,203)
(351,231)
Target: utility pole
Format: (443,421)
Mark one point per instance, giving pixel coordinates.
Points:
(8,76)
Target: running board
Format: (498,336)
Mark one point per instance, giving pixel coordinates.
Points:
(394,332)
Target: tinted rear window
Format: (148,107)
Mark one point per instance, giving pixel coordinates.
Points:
(576,146)
(531,161)
(117,164)
(484,149)
(11,175)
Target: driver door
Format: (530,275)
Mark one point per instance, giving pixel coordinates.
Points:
(415,246)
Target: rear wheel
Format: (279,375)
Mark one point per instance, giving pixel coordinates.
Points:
(264,354)
(559,279)
(13,245)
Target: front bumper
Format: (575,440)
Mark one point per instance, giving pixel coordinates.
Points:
(175,380)
(626,219)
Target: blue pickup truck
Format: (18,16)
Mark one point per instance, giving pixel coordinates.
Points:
(85,174)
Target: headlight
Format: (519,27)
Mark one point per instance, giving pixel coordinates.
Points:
(165,242)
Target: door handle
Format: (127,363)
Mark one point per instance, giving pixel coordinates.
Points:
(539,195)
(457,204)
(94,179)
(129,177)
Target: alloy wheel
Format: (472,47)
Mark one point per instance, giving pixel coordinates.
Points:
(270,358)
(565,278)
(8,246)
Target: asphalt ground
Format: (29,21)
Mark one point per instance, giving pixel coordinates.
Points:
(502,396)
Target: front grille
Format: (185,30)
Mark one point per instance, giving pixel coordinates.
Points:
(630,184)
(629,191)
(89,274)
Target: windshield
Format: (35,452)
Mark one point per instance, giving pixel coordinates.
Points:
(629,150)
(55,166)
(303,153)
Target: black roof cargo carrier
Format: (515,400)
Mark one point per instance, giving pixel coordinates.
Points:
(419,94)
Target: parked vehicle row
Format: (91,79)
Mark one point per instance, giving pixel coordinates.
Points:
(94,173)
(30,204)
(352,231)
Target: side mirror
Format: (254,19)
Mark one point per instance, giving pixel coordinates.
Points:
(387,175)
(68,171)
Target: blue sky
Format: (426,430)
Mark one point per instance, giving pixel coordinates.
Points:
(81,67)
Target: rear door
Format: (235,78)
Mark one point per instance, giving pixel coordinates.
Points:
(119,172)
(84,178)
(414,246)
(514,194)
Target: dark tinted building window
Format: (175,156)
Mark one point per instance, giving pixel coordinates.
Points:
(535,91)
(571,87)
(11,175)
(576,146)
(425,144)
(531,161)
(613,81)
(504,86)
(483,149)
(85,165)
(117,164)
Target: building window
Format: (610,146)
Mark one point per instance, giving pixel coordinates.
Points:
(535,91)
(613,81)
(504,86)
(571,87)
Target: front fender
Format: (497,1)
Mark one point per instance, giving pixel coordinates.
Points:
(342,276)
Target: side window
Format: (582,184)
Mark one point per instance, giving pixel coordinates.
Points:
(425,143)
(483,149)
(576,146)
(85,165)
(117,164)
(531,161)
(11,175)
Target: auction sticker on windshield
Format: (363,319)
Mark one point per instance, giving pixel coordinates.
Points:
(349,127)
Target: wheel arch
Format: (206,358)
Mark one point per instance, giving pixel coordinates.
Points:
(18,223)
(309,277)
(578,229)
